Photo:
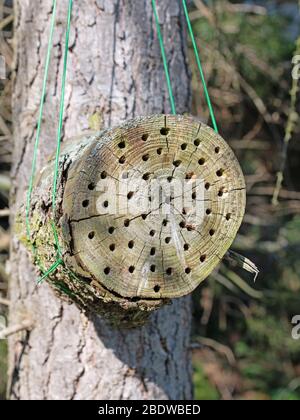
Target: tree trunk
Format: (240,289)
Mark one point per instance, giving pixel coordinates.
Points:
(115,72)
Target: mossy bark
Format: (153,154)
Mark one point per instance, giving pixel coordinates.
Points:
(70,281)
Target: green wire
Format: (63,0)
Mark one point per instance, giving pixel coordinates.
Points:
(50,271)
(211,111)
(60,124)
(59,131)
(39,123)
(164,58)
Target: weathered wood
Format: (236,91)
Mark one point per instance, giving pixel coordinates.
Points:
(119,247)
(114,73)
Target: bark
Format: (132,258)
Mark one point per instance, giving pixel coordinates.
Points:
(115,73)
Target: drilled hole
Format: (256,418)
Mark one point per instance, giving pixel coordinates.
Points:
(111,230)
(187,270)
(130,244)
(182,224)
(159,151)
(156,288)
(146,176)
(208,212)
(169,179)
(152,251)
(126,222)
(144,216)
(167,240)
(145,137)
(228,216)
(183,146)
(197,142)
(164,131)
(130,195)
(202,258)
(106,270)
(189,175)
(201,161)
(184,211)
(112,247)
(212,232)
(105,204)
(194,195)
(91,235)
(217,149)
(85,203)
(221,192)
(177,163)
(169,271)
(220,172)
(131,269)
(145,157)
(190,228)
(152,232)
(91,186)
(165,222)
(207,186)
(122,159)
(152,268)
(122,144)
(186,247)
(103,175)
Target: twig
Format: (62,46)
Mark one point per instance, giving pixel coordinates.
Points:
(5,302)
(4,213)
(3,276)
(247,8)
(6,21)
(241,284)
(292,195)
(4,128)
(220,348)
(5,183)
(290,127)
(24,325)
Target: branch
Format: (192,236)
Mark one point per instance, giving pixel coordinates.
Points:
(24,325)
(220,348)
(5,302)
(289,131)
(4,213)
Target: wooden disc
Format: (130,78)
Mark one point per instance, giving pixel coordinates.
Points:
(130,230)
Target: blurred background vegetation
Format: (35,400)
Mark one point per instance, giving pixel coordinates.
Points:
(242,332)
(242,344)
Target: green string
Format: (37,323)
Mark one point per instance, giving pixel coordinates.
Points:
(50,271)
(59,260)
(198,60)
(60,125)
(164,58)
(39,123)
(211,111)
